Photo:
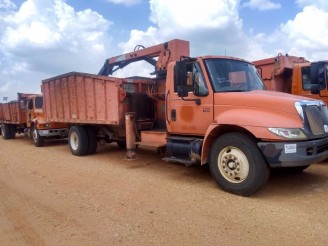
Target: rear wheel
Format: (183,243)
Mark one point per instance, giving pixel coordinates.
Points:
(78,140)
(5,131)
(37,139)
(93,140)
(237,165)
(121,144)
(12,131)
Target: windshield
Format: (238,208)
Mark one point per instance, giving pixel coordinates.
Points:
(233,75)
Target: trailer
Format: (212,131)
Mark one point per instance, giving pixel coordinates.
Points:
(198,110)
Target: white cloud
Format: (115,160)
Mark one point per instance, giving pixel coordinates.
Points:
(304,35)
(321,4)
(125,2)
(214,27)
(192,15)
(307,34)
(211,26)
(262,5)
(205,23)
(44,38)
(7,4)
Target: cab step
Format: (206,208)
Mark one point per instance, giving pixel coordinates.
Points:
(152,139)
(182,161)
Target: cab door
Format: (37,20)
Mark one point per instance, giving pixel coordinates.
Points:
(193,114)
(29,111)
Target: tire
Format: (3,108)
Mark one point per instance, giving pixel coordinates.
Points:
(12,131)
(92,139)
(5,131)
(37,139)
(237,165)
(78,140)
(121,144)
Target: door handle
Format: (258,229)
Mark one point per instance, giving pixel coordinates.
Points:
(166,106)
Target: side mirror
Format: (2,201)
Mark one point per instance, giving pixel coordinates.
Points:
(182,91)
(315,89)
(314,73)
(22,104)
(180,78)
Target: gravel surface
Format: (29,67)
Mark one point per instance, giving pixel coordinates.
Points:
(49,197)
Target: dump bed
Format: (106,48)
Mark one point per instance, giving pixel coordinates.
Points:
(1,112)
(12,113)
(276,71)
(83,98)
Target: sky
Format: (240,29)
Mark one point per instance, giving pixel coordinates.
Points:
(40,39)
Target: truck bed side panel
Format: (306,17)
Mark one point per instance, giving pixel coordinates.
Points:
(1,112)
(82,98)
(12,114)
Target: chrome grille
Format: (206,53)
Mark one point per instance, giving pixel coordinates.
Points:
(317,117)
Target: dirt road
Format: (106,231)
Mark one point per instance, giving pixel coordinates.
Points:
(49,197)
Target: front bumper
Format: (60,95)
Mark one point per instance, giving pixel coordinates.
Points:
(293,154)
(53,132)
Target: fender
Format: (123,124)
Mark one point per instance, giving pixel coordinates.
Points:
(252,121)
(38,120)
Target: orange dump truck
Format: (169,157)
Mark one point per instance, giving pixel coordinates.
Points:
(12,119)
(291,74)
(201,110)
(25,115)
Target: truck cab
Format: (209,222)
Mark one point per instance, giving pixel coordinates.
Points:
(36,126)
(290,74)
(31,104)
(319,79)
(226,118)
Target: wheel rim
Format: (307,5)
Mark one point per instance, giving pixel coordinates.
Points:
(74,141)
(35,135)
(233,164)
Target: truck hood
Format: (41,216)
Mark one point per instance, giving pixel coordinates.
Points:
(271,100)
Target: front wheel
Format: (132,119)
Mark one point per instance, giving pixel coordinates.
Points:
(37,139)
(237,165)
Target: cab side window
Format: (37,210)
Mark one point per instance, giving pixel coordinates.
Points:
(200,88)
(30,104)
(38,102)
(306,81)
(306,78)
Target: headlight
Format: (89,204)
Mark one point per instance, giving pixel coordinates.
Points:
(289,133)
(299,108)
(41,126)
